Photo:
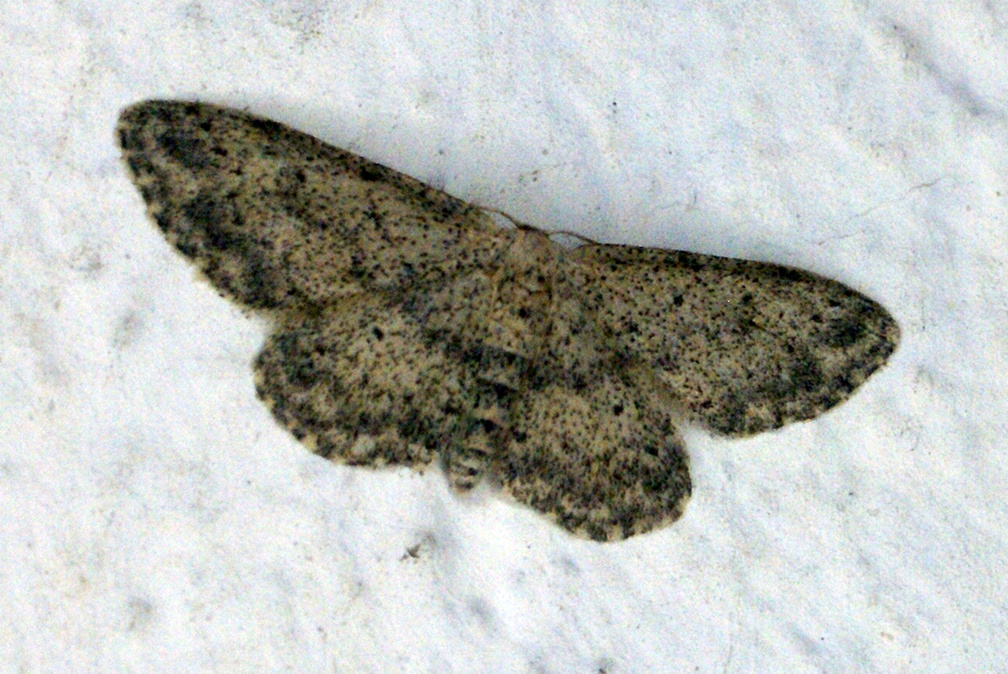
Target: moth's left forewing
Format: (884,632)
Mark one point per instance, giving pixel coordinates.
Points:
(277,219)
(741,346)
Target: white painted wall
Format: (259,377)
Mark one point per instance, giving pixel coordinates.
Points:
(157,520)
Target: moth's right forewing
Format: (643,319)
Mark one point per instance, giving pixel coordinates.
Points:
(742,346)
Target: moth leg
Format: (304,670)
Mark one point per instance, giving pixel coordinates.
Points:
(604,461)
(358,383)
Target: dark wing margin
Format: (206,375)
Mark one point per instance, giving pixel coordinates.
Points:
(276,218)
(742,346)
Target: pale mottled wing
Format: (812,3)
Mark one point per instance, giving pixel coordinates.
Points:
(406,324)
(277,218)
(742,346)
(333,245)
(359,383)
(603,460)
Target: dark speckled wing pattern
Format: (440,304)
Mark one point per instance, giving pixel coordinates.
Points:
(408,327)
(743,346)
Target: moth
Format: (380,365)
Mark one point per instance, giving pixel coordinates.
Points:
(408,327)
